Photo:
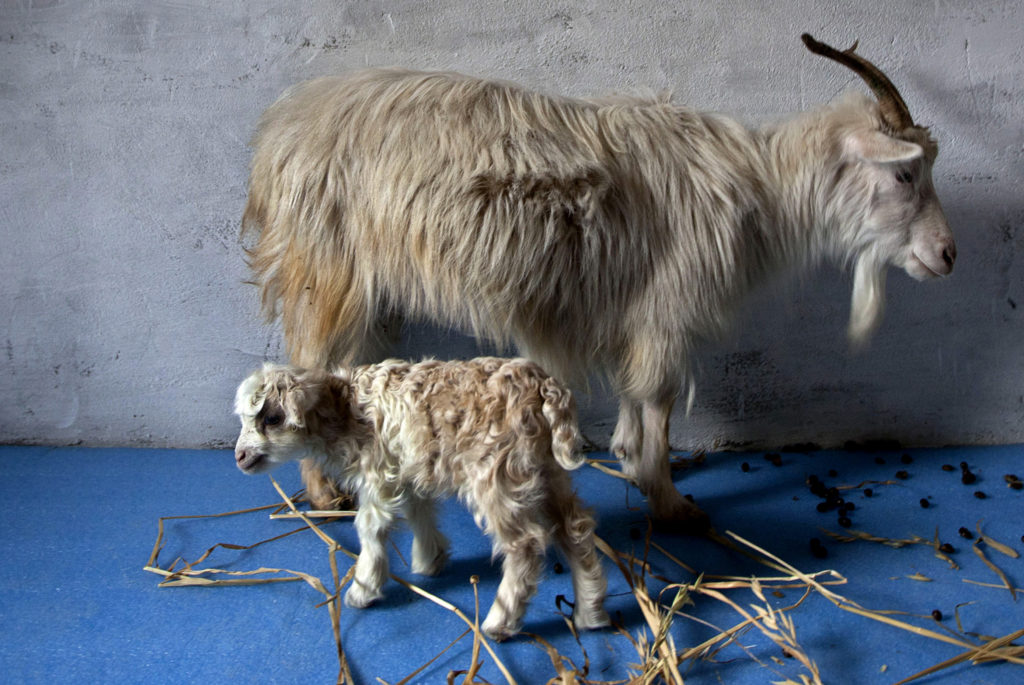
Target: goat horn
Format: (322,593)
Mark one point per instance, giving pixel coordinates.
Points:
(894,109)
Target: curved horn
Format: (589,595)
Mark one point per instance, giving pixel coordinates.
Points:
(893,109)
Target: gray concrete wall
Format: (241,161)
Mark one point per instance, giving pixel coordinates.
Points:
(123,160)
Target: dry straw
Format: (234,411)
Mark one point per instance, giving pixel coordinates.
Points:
(658,658)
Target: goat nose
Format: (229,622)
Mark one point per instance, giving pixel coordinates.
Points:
(949,255)
(239,456)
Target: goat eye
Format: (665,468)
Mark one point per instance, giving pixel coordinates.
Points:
(904,177)
(272,419)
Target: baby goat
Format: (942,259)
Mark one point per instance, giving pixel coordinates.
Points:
(499,433)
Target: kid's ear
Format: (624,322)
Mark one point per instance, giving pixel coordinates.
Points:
(296,402)
(875,146)
(340,390)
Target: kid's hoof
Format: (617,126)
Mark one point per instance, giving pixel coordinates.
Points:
(498,630)
(432,566)
(359,598)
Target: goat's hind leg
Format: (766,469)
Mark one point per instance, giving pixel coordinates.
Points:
(321,491)
(574,536)
(522,540)
(628,438)
(654,476)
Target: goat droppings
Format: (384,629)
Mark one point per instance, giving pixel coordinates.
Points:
(936,614)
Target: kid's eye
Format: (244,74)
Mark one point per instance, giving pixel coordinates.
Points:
(904,176)
(272,419)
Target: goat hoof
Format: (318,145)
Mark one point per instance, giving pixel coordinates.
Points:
(430,567)
(359,598)
(498,630)
(592,620)
(685,518)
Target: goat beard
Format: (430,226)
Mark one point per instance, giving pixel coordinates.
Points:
(868,301)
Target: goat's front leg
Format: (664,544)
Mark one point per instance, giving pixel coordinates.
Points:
(654,475)
(520,572)
(429,545)
(373,521)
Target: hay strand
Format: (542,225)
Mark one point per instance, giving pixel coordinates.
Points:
(659,659)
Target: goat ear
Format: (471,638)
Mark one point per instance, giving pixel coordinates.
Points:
(875,146)
(340,390)
(299,396)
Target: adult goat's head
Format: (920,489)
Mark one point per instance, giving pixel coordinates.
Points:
(889,159)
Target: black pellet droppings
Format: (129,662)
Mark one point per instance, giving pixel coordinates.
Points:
(1022,538)
(1011,478)
(818,550)
(964,533)
(902,475)
(825,506)
(868,492)
(925,503)
(744,467)
(832,473)
(979,494)
(1016,485)
(848,506)
(948,467)
(558,568)
(845,522)
(963,466)
(879,461)
(936,614)
(946,548)
(968,478)
(906,459)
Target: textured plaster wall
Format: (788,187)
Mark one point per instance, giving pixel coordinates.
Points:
(123,160)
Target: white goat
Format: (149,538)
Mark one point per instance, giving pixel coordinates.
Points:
(499,433)
(595,235)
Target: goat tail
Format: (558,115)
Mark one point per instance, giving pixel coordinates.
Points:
(560,411)
(301,256)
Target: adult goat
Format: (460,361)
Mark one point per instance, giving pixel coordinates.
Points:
(595,235)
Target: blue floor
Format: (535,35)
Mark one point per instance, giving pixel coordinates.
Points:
(79,525)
